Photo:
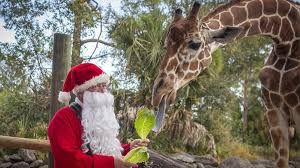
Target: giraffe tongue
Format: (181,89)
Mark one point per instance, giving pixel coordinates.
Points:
(160,114)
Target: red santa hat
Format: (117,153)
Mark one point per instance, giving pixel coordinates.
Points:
(80,78)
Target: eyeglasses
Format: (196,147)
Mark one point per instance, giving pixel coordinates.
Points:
(98,86)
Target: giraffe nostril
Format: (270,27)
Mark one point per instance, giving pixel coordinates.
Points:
(194,46)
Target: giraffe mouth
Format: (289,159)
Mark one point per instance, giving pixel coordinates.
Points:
(160,114)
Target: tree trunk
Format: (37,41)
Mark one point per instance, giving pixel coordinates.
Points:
(76,39)
(245,106)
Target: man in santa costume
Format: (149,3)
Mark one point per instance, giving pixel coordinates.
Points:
(84,134)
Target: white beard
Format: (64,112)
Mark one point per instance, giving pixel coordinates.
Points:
(100,126)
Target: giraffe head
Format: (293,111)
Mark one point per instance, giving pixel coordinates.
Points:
(189,45)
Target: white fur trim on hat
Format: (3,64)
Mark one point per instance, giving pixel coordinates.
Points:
(103,78)
(64,97)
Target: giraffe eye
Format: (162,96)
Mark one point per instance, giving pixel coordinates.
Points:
(194,45)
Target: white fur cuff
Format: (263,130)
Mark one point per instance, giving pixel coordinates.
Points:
(64,97)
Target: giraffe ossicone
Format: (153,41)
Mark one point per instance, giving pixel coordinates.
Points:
(190,42)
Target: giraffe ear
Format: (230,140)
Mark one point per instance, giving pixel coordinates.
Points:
(177,15)
(194,12)
(224,35)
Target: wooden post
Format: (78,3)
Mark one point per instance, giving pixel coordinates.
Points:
(60,67)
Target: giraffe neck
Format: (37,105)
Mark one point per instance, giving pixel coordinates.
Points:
(278,19)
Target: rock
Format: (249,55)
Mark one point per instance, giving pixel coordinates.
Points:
(20,165)
(183,157)
(15,158)
(27,155)
(5,165)
(264,163)
(259,166)
(209,166)
(207,160)
(295,164)
(236,162)
(36,163)
(200,165)
(6,158)
(45,166)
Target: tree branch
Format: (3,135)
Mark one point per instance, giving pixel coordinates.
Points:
(82,42)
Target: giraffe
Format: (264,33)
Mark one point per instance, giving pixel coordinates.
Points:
(190,42)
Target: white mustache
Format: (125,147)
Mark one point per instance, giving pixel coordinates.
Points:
(97,99)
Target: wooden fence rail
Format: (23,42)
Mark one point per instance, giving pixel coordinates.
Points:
(26,143)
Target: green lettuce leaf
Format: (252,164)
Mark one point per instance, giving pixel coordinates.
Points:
(144,122)
(137,155)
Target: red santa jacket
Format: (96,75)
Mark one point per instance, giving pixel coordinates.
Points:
(64,133)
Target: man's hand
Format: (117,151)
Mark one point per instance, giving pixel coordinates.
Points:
(120,163)
(139,142)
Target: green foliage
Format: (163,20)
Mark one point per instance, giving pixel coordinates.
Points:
(21,116)
(137,155)
(144,122)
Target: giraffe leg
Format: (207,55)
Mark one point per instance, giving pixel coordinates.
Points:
(280,137)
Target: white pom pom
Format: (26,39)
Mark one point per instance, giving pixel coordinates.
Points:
(64,97)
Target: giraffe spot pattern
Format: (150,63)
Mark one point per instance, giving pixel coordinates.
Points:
(180,74)
(189,76)
(270,7)
(263,24)
(254,9)
(297,110)
(276,156)
(276,24)
(194,65)
(283,152)
(286,109)
(276,135)
(270,79)
(185,65)
(214,24)
(172,64)
(271,59)
(291,99)
(216,17)
(163,75)
(291,64)
(276,99)
(201,56)
(287,34)
(272,118)
(284,8)
(270,24)
(206,62)
(290,81)
(239,15)
(281,163)
(282,50)
(294,17)
(296,49)
(280,63)
(226,19)
(246,27)
(254,29)
(266,97)
(171,76)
